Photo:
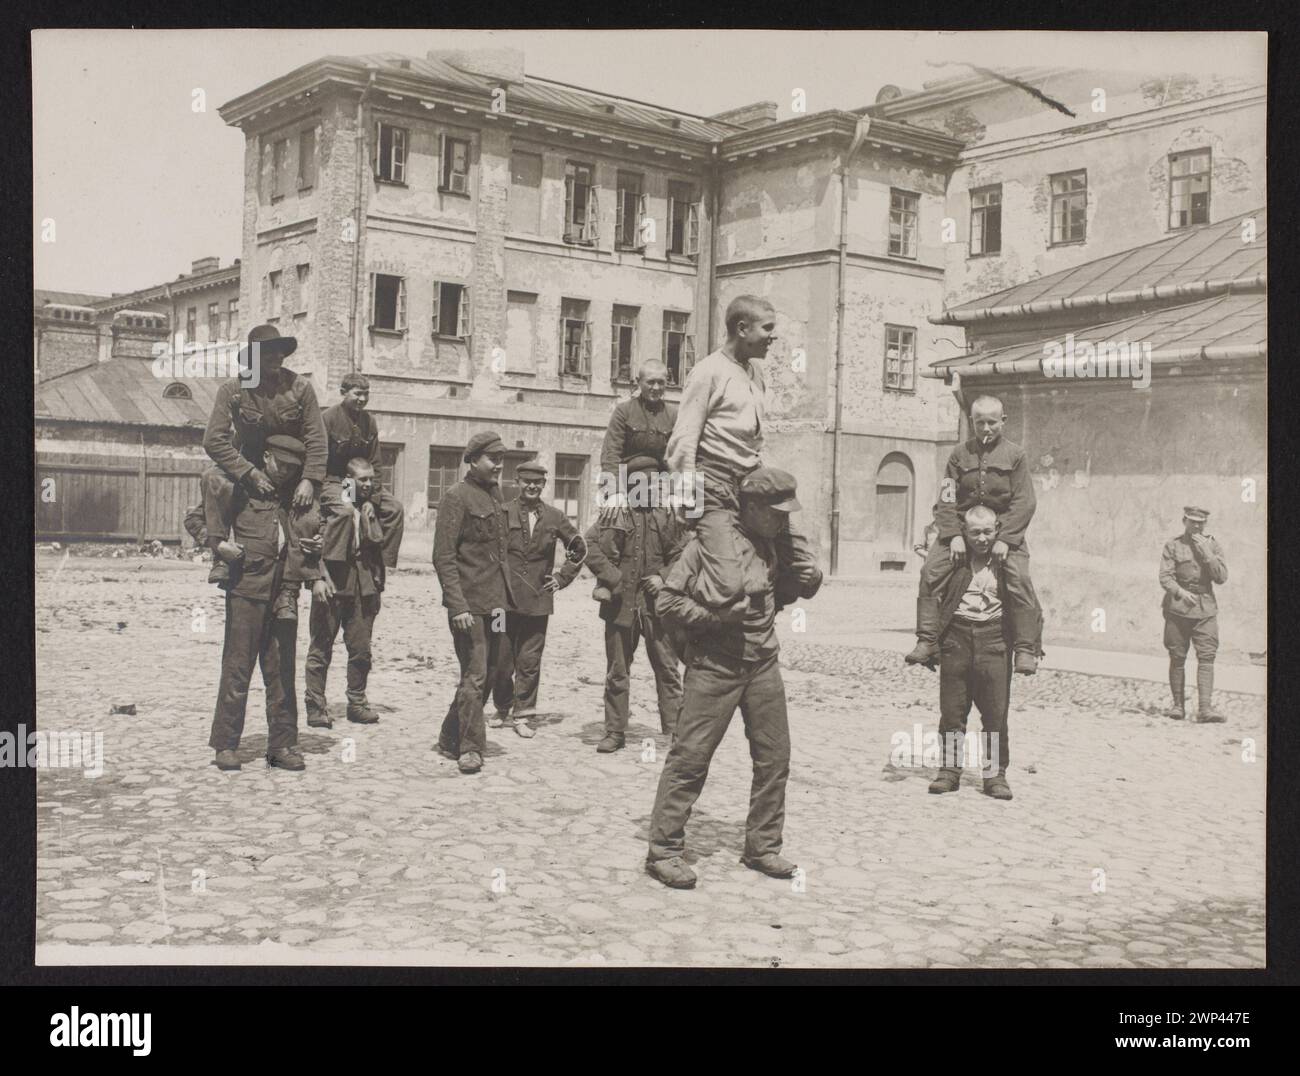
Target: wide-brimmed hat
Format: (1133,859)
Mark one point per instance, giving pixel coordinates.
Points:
(269,342)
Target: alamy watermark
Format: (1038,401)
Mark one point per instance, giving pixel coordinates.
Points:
(39,749)
(1107,358)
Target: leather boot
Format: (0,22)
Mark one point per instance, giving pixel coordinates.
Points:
(1027,633)
(1205,694)
(926,651)
(1177,681)
(949,780)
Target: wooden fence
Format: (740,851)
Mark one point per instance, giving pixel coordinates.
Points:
(119,498)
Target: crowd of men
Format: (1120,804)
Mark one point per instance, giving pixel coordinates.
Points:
(695,569)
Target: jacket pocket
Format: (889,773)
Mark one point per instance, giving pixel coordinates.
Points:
(482,525)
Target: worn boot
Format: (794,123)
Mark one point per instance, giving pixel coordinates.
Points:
(613,741)
(227,760)
(997,787)
(674,873)
(926,651)
(1177,676)
(319,719)
(1027,630)
(361,714)
(286,758)
(1207,715)
(949,780)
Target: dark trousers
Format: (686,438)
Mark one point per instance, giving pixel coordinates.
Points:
(519,664)
(620,646)
(1203,634)
(254,634)
(1019,600)
(357,619)
(478,651)
(713,691)
(337,515)
(975,668)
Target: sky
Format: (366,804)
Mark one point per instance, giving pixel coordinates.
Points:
(138,184)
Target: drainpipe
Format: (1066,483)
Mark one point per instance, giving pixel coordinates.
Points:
(356,240)
(859,134)
(715,181)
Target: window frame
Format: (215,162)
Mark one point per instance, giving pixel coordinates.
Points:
(457,470)
(903,225)
(682,193)
(279,161)
(397,153)
(306,182)
(1208,152)
(304,283)
(1063,197)
(633,314)
(686,349)
(588,233)
(274,294)
(534,224)
(582,479)
(583,343)
(982,213)
(636,194)
(910,389)
(446,158)
(400,310)
(464,325)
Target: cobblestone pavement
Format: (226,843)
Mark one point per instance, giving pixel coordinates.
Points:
(1132,841)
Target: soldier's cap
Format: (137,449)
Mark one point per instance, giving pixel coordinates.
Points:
(483,441)
(270,342)
(772,485)
(1192,512)
(532,467)
(286,449)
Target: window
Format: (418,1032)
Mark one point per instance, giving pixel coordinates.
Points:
(306,158)
(521,331)
(900,358)
(232,319)
(455,165)
(177,391)
(273,294)
(678,346)
(444,472)
(581,215)
(390,153)
(630,210)
(575,338)
(525,192)
(387,303)
(1069,206)
(387,469)
(1189,188)
(214,322)
(191,325)
(986,220)
(304,284)
(279,154)
(571,487)
(904,209)
(683,220)
(622,343)
(450,310)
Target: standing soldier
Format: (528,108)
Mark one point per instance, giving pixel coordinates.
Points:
(732,660)
(267,566)
(469,552)
(629,552)
(1189,567)
(353,433)
(638,433)
(533,528)
(348,598)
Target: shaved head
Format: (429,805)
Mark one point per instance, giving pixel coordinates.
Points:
(748,309)
(989,404)
(981,513)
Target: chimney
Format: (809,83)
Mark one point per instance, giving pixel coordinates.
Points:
(759,114)
(204,265)
(503,65)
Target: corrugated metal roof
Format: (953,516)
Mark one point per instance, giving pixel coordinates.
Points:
(1225,326)
(1210,254)
(124,391)
(546,94)
(42,296)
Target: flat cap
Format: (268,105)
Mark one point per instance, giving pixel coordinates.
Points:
(775,486)
(533,467)
(286,448)
(1192,512)
(483,441)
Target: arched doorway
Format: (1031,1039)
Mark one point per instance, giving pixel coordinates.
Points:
(895,489)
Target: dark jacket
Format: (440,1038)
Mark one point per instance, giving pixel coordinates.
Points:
(469,549)
(242,419)
(956,587)
(640,542)
(636,431)
(768,579)
(356,569)
(253,526)
(1182,569)
(533,559)
(997,477)
(348,440)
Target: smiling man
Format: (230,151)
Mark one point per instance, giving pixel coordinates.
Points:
(470,555)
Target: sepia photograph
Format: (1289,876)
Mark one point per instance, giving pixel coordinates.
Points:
(654,499)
